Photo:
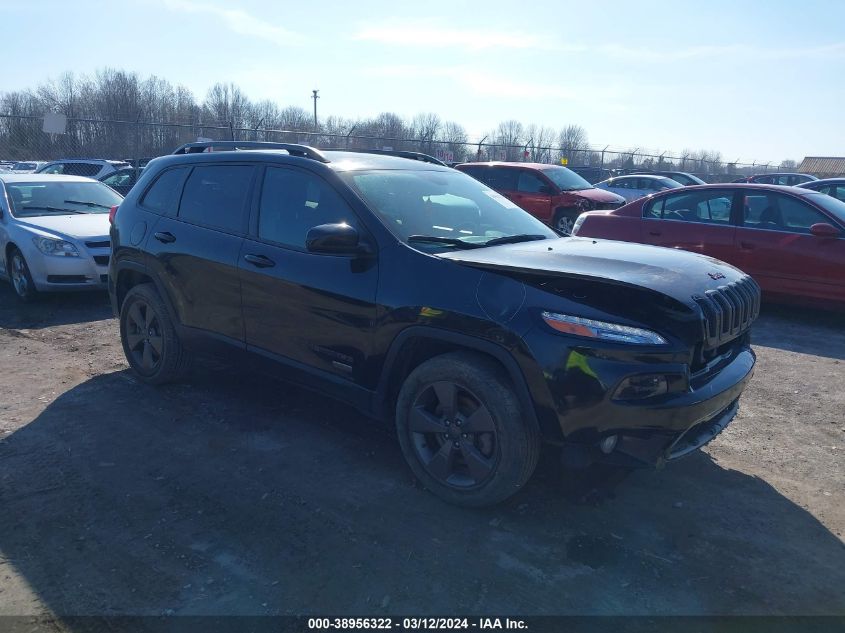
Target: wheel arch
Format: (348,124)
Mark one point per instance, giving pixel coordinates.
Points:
(417,344)
(131,274)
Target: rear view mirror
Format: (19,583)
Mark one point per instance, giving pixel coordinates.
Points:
(823,229)
(334,239)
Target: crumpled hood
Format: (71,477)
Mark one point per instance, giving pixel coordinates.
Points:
(82,226)
(674,273)
(600,195)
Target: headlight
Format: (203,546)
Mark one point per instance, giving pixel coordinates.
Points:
(51,246)
(589,328)
(578,222)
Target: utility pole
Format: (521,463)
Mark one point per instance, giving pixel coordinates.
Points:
(315,97)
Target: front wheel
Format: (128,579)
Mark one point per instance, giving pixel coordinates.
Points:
(149,338)
(564,220)
(463,432)
(20,276)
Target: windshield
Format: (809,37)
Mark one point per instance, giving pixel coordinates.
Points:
(566,179)
(30,199)
(24,166)
(444,205)
(830,204)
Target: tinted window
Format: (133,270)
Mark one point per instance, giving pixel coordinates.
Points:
(649,184)
(566,179)
(215,196)
(529,182)
(832,205)
(163,196)
(776,212)
(120,178)
(621,183)
(502,178)
(707,207)
(292,202)
(74,169)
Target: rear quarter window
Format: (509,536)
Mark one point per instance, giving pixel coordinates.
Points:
(163,195)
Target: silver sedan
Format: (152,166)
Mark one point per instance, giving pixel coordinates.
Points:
(54,233)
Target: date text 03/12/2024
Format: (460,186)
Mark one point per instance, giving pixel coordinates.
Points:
(417,624)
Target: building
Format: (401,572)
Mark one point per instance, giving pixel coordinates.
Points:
(822,166)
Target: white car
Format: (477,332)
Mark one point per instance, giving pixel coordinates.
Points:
(91,167)
(635,187)
(54,233)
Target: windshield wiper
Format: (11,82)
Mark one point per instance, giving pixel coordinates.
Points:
(514,239)
(436,239)
(88,204)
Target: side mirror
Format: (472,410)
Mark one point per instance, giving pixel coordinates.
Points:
(334,239)
(823,229)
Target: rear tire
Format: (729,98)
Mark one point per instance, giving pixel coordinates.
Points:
(463,431)
(150,342)
(20,277)
(564,220)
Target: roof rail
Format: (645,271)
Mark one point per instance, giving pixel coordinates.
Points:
(294,149)
(394,152)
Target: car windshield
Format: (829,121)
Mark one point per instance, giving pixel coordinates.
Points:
(830,204)
(566,179)
(444,209)
(24,166)
(30,199)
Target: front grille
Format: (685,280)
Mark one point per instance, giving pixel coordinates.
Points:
(103,244)
(728,310)
(102,260)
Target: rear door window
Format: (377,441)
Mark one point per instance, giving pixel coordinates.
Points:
(705,207)
(215,196)
(503,179)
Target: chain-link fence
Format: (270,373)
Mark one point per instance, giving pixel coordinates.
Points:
(22,138)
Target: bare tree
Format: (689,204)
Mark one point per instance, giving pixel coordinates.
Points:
(573,144)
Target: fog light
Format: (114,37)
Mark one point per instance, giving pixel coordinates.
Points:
(608,444)
(640,387)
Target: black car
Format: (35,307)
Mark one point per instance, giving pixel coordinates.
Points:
(122,180)
(417,294)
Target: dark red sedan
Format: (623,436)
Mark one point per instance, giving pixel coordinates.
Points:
(791,240)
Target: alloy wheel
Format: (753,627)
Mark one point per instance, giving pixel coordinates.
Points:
(565,224)
(453,435)
(19,278)
(144,338)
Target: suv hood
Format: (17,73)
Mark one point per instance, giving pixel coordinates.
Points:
(671,272)
(80,226)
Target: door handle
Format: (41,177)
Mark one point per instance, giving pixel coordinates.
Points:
(747,246)
(165,237)
(260,261)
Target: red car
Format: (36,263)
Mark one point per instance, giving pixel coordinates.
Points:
(791,240)
(551,193)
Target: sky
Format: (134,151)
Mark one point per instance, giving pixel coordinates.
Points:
(756,80)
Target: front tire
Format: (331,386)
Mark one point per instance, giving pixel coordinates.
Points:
(20,277)
(150,342)
(463,431)
(564,220)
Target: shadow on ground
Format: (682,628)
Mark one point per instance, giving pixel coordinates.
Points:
(236,494)
(786,328)
(49,309)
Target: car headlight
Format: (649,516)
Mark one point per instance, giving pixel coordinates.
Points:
(590,328)
(52,246)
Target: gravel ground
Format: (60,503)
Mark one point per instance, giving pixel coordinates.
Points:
(237,494)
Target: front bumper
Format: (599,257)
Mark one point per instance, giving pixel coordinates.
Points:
(649,431)
(89,271)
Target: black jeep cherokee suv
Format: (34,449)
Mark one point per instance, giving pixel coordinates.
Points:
(413,292)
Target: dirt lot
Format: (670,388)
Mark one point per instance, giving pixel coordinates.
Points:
(236,494)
